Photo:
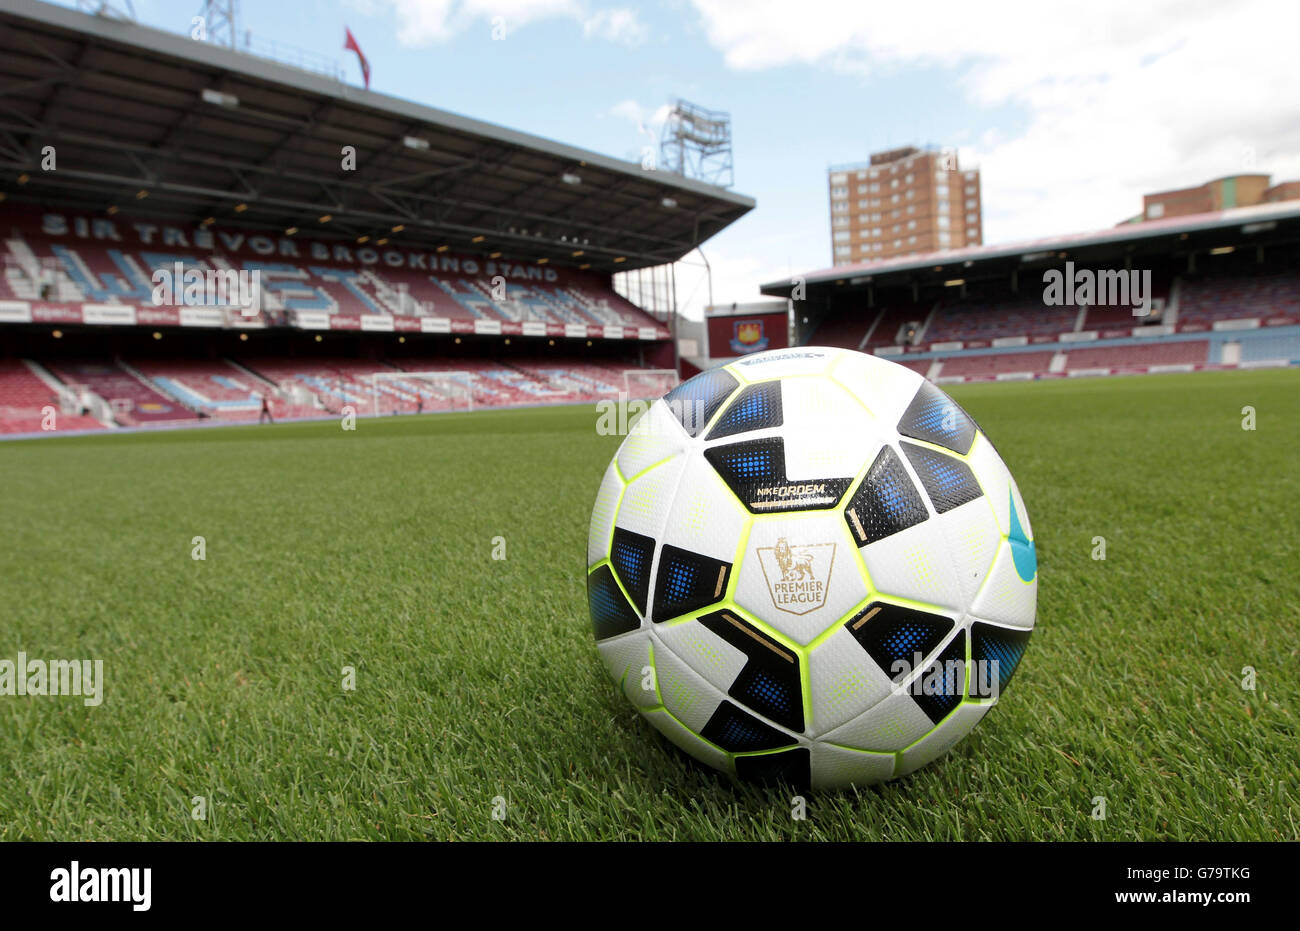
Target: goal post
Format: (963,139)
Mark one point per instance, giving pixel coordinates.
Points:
(648,384)
(420,392)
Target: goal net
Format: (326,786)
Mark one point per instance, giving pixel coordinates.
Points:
(420,392)
(647,384)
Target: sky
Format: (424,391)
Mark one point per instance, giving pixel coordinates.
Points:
(1071,110)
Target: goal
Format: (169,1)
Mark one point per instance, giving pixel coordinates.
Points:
(420,392)
(646,384)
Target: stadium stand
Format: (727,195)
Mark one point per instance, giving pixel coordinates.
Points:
(920,366)
(527,382)
(889,324)
(1278,348)
(1120,316)
(997,364)
(179,391)
(132,399)
(461,241)
(848,330)
(1206,300)
(988,319)
(1274,299)
(1110,318)
(844,330)
(61,269)
(1144,356)
(492,383)
(25,399)
(219,389)
(582,379)
(337,382)
(1248,311)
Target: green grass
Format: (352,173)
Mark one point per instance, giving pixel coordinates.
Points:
(478,678)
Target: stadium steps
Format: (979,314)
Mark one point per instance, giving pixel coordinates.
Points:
(518,306)
(1002,365)
(260,380)
(155,386)
(891,323)
(99,408)
(866,337)
(1170,317)
(45,375)
(465,296)
(600,314)
(24,273)
(19,285)
(388,297)
(296,387)
(842,331)
(556,308)
(925,325)
(22,270)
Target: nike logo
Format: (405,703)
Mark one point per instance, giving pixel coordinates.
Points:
(1022,548)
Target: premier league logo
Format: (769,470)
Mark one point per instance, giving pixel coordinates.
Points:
(797,576)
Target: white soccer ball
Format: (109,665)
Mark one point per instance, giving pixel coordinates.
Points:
(810,565)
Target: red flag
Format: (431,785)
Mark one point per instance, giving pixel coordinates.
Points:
(351,44)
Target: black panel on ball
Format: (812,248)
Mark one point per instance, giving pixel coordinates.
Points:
(758,407)
(948,481)
(631,554)
(755,472)
(687,582)
(769,683)
(895,636)
(792,767)
(610,613)
(942,686)
(885,503)
(936,418)
(696,400)
(737,731)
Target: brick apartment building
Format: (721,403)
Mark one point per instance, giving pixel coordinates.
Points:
(901,202)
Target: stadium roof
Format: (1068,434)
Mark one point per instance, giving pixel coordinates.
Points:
(124,106)
(1188,233)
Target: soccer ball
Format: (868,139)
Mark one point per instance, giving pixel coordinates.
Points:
(810,565)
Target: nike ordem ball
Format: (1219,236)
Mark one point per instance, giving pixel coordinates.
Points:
(810,565)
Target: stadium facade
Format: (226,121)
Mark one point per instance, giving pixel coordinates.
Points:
(379,236)
(1214,290)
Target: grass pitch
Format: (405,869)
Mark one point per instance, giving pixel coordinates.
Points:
(477,678)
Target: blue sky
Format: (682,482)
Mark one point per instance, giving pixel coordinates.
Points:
(1072,109)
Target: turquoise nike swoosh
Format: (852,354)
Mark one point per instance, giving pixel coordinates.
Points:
(1022,548)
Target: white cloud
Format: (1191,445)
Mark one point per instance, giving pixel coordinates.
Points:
(423,22)
(627,109)
(1118,98)
(647,121)
(616,26)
